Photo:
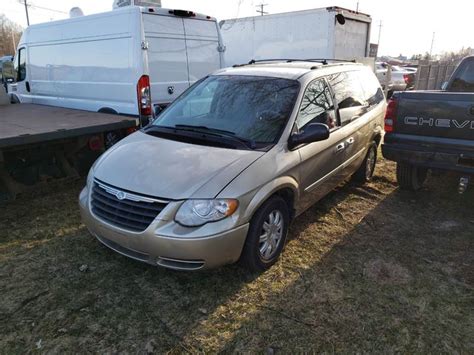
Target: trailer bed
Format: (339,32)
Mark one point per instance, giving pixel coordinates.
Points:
(28,123)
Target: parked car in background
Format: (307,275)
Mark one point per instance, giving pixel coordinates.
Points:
(401,79)
(220,174)
(410,69)
(433,130)
(124,61)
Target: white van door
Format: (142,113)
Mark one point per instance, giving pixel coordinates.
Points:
(21,88)
(167,61)
(202,44)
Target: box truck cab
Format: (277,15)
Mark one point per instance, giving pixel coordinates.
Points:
(127,61)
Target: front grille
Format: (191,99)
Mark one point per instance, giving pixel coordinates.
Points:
(124,209)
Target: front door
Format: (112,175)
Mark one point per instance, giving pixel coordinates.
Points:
(21,88)
(321,162)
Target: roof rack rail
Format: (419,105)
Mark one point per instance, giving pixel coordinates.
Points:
(323,61)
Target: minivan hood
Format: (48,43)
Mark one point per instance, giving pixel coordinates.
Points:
(168,169)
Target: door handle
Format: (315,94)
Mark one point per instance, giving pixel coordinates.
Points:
(350,141)
(471,110)
(340,147)
(27,84)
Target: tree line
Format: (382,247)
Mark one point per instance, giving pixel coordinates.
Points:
(10,34)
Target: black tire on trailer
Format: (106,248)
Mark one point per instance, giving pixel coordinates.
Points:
(266,236)
(410,177)
(366,170)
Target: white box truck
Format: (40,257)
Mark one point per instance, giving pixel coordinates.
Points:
(110,62)
(329,33)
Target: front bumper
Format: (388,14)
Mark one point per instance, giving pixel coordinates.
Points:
(172,251)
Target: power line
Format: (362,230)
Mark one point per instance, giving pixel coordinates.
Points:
(261,11)
(47,9)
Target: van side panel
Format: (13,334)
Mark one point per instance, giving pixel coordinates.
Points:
(86,63)
(167,58)
(202,41)
(351,39)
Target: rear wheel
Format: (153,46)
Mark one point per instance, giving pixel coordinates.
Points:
(266,236)
(366,171)
(410,177)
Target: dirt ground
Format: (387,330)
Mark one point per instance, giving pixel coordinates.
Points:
(367,269)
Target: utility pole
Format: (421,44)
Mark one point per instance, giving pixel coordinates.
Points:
(357,9)
(26,10)
(432,44)
(261,11)
(13,40)
(380,33)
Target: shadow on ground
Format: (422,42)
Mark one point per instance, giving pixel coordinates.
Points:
(367,269)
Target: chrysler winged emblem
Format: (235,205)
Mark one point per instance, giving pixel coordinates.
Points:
(121,195)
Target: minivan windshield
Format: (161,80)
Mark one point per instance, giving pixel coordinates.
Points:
(250,108)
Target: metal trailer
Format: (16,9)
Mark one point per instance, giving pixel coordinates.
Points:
(39,144)
(332,32)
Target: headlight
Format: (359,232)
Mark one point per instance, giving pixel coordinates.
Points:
(194,213)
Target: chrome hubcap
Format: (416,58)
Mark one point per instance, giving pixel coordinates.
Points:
(272,232)
(370,164)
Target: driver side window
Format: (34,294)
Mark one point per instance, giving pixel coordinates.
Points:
(317,106)
(20,65)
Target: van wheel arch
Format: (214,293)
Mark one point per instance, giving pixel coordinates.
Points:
(288,195)
(14,99)
(108,110)
(378,139)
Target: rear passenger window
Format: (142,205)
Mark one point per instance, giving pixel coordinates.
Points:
(317,106)
(350,96)
(464,80)
(373,93)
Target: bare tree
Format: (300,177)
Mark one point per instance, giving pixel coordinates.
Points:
(10,34)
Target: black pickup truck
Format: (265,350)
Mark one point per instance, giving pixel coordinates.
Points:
(433,130)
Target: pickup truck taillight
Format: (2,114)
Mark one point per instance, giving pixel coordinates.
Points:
(407,78)
(391,115)
(144,96)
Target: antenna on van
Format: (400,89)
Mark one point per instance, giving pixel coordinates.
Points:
(76,12)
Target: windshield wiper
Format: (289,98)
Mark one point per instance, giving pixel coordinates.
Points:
(216,131)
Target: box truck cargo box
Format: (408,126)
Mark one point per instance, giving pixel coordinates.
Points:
(332,33)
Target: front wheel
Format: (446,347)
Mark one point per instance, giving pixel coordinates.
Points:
(266,236)
(410,177)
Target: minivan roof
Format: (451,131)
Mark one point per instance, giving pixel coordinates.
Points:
(281,69)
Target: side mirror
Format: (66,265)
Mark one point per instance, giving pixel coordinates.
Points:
(314,132)
(8,71)
(444,86)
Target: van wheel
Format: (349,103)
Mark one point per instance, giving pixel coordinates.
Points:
(410,177)
(366,171)
(266,236)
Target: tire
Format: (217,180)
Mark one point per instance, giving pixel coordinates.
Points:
(366,171)
(410,177)
(254,256)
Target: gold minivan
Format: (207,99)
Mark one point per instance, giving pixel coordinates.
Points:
(221,173)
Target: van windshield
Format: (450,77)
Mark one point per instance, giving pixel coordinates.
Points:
(250,108)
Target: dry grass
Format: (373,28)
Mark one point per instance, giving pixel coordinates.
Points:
(368,269)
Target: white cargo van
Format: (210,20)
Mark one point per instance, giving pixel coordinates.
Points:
(109,62)
(331,33)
